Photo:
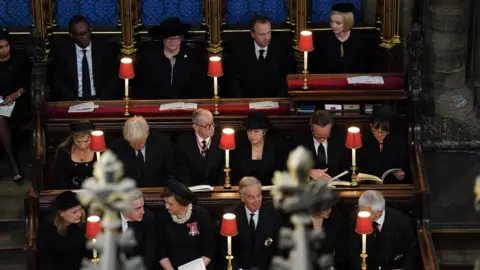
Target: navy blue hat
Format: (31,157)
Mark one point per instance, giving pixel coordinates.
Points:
(66,200)
(257,120)
(168,28)
(80,126)
(344,7)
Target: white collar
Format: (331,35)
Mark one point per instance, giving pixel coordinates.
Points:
(258,48)
(124,220)
(79,49)
(200,139)
(381,220)
(316,143)
(250,212)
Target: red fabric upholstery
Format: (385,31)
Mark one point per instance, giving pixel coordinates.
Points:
(342,83)
(153,110)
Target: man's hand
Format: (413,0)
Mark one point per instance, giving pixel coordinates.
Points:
(206,260)
(400,175)
(319,174)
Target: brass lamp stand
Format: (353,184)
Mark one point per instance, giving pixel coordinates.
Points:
(364,261)
(226,184)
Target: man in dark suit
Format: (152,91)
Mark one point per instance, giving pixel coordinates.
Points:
(142,221)
(327,145)
(259,68)
(147,157)
(392,245)
(258,227)
(200,160)
(169,69)
(83,69)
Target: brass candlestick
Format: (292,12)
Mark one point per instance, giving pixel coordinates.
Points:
(95,258)
(305,80)
(229,259)
(227,184)
(127,112)
(354,176)
(216,99)
(364,261)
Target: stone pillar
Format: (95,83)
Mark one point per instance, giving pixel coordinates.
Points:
(446,50)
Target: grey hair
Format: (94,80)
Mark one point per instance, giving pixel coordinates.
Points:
(247,181)
(372,199)
(137,194)
(198,113)
(135,129)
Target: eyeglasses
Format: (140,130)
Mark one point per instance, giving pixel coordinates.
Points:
(207,126)
(380,132)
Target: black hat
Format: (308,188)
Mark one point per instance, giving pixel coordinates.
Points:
(80,126)
(168,28)
(181,190)
(326,204)
(344,7)
(257,120)
(383,112)
(4,35)
(66,200)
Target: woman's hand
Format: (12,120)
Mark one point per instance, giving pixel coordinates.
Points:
(13,97)
(166,264)
(400,175)
(206,260)
(319,174)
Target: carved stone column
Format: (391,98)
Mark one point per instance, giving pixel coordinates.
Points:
(215,22)
(127,20)
(447,29)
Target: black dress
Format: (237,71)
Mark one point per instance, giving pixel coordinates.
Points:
(175,243)
(15,74)
(393,155)
(334,242)
(71,174)
(61,252)
(273,158)
(328,59)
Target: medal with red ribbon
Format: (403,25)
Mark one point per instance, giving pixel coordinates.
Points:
(193,229)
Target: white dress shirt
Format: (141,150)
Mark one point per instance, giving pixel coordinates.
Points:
(325,145)
(257,50)
(143,150)
(124,223)
(79,52)
(255,217)
(200,140)
(380,221)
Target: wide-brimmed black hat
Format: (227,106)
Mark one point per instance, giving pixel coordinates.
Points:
(257,120)
(168,28)
(383,112)
(66,200)
(344,7)
(182,191)
(4,35)
(81,126)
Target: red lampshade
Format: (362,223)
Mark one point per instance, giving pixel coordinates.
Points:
(97,141)
(227,141)
(215,67)
(364,223)
(354,138)
(126,68)
(305,42)
(93,227)
(229,225)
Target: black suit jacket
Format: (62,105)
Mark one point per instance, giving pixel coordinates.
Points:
(146,236)
(273,159)
(337,153)
(394,247)
(159,160)
(249,79)
(154,80)
(104,65)
(192,170)
(245,255)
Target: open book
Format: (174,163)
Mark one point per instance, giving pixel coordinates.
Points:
(201,188)
(363,177)
(6,110)
(82,107)
(178,106)
(197,264)
(335,181)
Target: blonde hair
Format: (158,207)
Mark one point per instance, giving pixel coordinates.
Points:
(348,18)
(136,129)
(61,225)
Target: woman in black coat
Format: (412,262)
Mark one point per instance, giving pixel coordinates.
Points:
(61,241)
(257,154)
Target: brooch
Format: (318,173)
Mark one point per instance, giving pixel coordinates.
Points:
(193,229)
(268,242)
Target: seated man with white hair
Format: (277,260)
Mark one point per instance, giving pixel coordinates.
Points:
(200,160)
(147,156)
(392,245)
(142,221)
(258,227)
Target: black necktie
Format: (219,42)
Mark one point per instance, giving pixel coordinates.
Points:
(251,227)
(261,57)
(375,226)
(140,162)
(86,87)
(321,157)
(204,149)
